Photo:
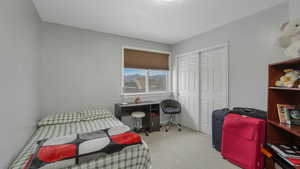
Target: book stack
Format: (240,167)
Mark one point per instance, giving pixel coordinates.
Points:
(290,154)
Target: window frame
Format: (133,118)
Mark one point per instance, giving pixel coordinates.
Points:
(169,75)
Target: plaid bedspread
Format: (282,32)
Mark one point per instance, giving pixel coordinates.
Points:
(134,158)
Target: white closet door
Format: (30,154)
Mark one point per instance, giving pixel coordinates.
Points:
(213,85)
(188,89)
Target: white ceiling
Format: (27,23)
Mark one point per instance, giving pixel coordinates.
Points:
(155,20)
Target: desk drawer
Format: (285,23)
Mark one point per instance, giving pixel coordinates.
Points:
(155,122)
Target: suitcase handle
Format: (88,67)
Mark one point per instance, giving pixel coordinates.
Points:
(247,109)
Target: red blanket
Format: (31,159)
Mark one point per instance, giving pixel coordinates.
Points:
(65,151)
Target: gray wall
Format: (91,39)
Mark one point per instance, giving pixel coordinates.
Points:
(19,52)
(252,48)
(82,69)
(294,9)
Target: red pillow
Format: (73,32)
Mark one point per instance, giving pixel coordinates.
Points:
(126,138)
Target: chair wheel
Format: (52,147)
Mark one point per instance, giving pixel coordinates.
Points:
(179,129)
(166,130)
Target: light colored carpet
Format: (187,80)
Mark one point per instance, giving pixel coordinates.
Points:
(187,149)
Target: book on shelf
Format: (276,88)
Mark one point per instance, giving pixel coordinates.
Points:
(284,112)
(283,163)
(293,162)
(290,154)
(286,151)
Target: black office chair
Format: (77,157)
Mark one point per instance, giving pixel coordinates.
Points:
(172,108)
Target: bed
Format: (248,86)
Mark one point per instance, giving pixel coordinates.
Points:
(135,158)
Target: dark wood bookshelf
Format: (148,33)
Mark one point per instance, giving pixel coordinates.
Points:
(278,133)
(284,88)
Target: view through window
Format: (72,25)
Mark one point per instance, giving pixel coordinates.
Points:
(145,80)
(158,80)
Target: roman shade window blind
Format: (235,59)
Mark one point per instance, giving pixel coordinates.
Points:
(145,60)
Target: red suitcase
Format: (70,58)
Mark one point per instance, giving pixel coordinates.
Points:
(242,139)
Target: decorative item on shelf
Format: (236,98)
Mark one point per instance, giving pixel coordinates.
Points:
(291,79)
(288,114)
(289,39)
(137,100)
(283,113)
(295,116)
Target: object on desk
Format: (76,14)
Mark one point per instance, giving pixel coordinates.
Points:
(137,100)
(171,108)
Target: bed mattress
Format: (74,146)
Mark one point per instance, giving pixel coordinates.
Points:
(135,158)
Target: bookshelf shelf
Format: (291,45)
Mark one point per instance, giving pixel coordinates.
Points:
(278,133)
(284,88)
(293,129)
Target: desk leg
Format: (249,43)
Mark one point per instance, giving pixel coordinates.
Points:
(119,118)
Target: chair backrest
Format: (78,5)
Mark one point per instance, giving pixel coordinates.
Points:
(170,103)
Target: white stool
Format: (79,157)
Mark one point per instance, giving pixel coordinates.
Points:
(138,116)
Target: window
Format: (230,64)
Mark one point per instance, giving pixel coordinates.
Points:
(134,81)
(158,80)
(145,72)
